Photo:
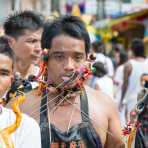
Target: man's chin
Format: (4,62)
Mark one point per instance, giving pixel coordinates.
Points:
(35,61)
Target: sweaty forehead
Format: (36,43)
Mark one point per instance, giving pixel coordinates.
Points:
(66,43)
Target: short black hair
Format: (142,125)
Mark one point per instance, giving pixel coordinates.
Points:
(101,69)
(98,47)
(5,48)
(16,24)
(137,47)
(123,57)
(69,25)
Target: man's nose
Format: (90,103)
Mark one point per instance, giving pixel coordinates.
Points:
(37,48)
(69,65)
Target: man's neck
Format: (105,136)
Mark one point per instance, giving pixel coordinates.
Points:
(22,66)
(57,100)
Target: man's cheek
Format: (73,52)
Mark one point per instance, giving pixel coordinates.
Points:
(8,82)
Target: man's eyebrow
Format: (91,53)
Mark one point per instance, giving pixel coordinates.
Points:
(62,52)
(79,53)
(31,38)
(56,52)
(5,70)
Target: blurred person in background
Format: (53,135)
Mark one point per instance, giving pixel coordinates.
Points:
(24,30)
(99,49)
(100,80)
(118,81)
(118,52)
(133,70)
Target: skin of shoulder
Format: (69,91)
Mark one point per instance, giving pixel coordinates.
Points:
(31,105)
(105,118)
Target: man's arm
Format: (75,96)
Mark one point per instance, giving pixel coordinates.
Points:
(106,118)
(126,73)
(114,137)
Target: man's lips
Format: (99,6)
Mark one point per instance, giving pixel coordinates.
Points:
(36,56)
(70,76)
(70,81)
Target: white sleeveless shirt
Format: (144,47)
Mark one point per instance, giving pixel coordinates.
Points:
(134,86)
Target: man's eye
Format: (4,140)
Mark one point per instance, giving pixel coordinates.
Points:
(32,41)
(79,58)
(57,56)
(4,73)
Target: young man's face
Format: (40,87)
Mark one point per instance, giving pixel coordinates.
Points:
(66,54)
(28,45)
(6,73)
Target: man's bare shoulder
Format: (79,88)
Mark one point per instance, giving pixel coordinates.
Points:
(100,104)
(100,108)
(98,97)
(104,115)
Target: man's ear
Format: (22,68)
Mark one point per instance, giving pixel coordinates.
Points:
(11,41)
